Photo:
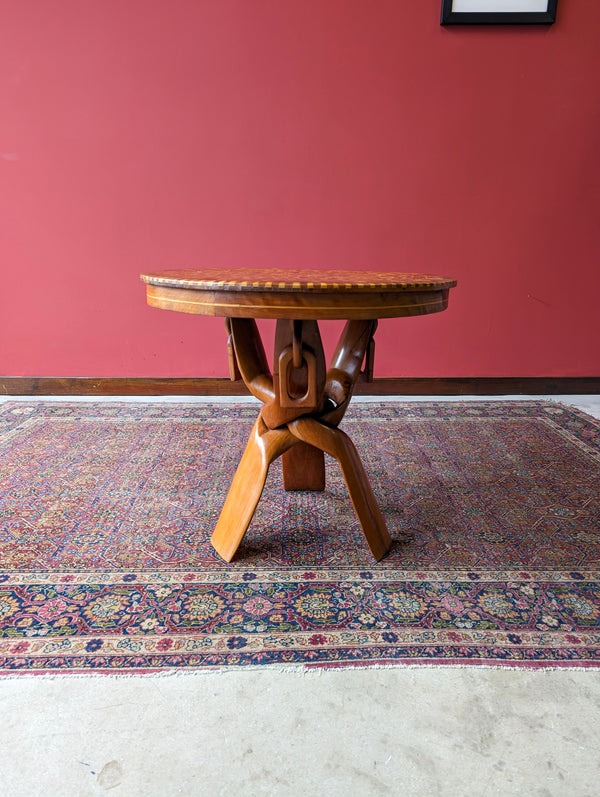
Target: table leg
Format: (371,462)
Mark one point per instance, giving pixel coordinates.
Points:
(262,448)
(303,468)
(338,445)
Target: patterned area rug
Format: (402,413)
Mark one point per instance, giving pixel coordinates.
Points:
(106,511)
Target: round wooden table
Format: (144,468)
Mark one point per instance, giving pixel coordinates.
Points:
(303,400)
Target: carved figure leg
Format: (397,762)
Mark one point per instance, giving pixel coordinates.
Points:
(249,357)
(338,445)
(345,368)
(263,447)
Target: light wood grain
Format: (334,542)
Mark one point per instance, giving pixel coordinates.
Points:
(338,445)
(262,448)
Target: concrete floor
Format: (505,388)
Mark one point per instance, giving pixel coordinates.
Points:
(416,731)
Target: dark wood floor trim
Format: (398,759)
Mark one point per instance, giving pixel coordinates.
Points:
(449,386)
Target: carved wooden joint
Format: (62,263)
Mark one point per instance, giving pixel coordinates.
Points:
(298,383)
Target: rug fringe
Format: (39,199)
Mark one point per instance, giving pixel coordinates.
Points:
(300,670)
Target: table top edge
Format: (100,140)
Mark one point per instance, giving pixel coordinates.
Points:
(287,280)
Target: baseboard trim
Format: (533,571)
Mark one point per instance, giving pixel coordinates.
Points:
(387,386)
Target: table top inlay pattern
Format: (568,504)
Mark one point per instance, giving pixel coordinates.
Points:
(264,279)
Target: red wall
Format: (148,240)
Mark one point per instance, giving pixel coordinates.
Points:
(147,134)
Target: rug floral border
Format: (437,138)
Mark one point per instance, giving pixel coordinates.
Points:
(131,621)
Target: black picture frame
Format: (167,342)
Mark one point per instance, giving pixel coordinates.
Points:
(450,17)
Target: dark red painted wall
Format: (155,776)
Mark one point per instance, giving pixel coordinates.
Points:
(337,133)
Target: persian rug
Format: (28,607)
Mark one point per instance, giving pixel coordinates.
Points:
(106,512)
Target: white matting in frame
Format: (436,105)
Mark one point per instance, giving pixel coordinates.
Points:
(487,6)
(494,12)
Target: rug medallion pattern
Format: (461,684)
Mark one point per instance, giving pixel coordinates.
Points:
(106,512)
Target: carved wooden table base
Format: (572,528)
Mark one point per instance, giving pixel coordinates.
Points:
(303,405)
